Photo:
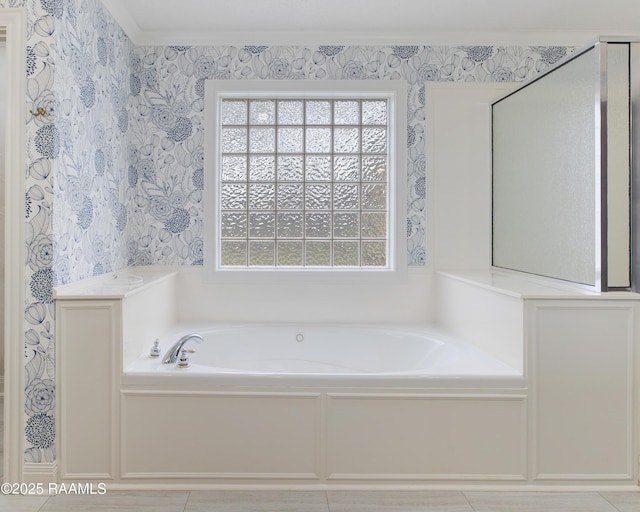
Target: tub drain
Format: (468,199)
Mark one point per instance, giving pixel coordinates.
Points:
(299,337)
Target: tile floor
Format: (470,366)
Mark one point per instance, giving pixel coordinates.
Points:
(330,501)
(321,501)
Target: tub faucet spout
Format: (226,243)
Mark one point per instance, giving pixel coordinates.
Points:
(172,354)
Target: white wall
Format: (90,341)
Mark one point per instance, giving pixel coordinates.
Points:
(459,173)
(459,209)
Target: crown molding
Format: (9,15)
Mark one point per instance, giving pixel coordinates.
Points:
(141,37)
(240,38)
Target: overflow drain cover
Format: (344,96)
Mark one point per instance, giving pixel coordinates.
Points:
(299,337)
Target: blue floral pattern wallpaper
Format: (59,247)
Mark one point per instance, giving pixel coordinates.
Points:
(76,217)
(165,175)
(115,170)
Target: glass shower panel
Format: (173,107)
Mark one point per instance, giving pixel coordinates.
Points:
(545,204)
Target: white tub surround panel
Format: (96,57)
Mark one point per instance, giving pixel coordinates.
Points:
(571,421)
(426,437)
(585,392)
(580,358)
(95,317)
(283,300)
(90,333)
(322,437)
(147,302)
(220,436)
(491,321)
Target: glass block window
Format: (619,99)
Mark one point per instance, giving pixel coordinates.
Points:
(303,182)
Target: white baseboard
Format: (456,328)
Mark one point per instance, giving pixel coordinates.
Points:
(40,473)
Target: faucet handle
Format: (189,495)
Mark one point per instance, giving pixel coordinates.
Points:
(155,350)
(183,360)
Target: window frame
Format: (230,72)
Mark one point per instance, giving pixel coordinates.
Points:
(394,91)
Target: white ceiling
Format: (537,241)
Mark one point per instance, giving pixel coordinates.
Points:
(169,22)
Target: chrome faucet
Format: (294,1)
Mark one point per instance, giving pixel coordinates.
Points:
(172,354)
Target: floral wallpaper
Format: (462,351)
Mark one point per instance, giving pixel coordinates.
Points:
(76,218)
(90,136)
(42,148)
(115,170)
(165,174)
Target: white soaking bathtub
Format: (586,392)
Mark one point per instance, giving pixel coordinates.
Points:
(327,354)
